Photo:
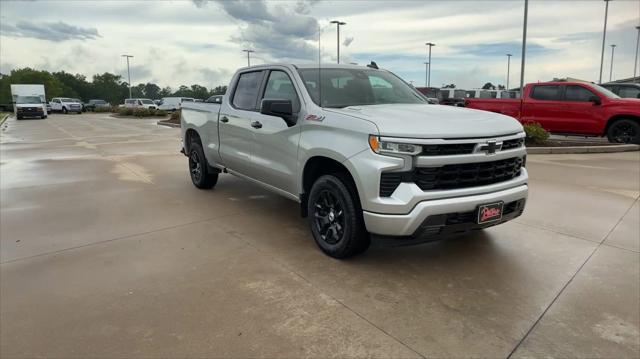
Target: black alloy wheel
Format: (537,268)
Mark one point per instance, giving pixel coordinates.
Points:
(195,167)
(335,216)
(329,217)
(202,176)
(624,131)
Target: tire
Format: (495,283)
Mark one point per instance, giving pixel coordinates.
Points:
(624,131)
(335,217)
(64,110)
(201,175)
(19,117)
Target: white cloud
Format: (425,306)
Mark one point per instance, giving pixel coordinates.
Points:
(201,41)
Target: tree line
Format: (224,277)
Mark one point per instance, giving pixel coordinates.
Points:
(105,86)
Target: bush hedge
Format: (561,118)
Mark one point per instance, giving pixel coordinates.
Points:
(535,134)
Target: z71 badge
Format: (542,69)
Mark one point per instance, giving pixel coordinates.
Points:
(314,118)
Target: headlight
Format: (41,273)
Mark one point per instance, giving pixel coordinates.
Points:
(397,148)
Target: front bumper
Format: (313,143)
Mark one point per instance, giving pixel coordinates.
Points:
(420,222)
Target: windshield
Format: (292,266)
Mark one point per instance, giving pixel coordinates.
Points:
(147,102)
(66,100)
(352,87)
(604,91)
(28,99)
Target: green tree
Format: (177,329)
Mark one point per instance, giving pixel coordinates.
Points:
(52,87)
(109,87)
(152,91)
(488,86)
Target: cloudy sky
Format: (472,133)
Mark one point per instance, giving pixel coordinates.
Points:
(201,41)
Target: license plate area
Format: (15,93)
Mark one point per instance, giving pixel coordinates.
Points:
(490,212)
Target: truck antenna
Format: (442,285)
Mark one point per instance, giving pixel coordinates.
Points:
(319,64)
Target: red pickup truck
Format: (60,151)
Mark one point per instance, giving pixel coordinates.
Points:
(579,108)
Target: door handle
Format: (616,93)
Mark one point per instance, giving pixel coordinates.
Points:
(224,119)
(256,124)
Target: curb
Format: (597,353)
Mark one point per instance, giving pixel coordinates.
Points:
(168,124)
(4,119)
(582,149)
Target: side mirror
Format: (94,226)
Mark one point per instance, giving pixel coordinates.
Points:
(278,108)
(638,95)
(596,100)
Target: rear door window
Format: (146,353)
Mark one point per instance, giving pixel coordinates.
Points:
(629,92)
(245,96)
(546,92)
(577,93)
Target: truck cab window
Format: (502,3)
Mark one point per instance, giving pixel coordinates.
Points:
(280,87)
(546,92)
(246,93)
(578,93)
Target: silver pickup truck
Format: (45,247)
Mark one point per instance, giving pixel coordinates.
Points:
(365,155)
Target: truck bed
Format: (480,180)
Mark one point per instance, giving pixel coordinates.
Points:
(506,106)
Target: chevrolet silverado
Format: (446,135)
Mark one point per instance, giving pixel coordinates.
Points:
(365,155)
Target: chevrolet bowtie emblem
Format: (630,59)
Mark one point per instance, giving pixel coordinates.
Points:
(490,147)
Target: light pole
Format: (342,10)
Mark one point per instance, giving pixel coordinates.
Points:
(508,69)
(248,51)
(613,48)
(524,46)
(430,44)
(128,72)
(604,36)
(635,63)
(338,23)
(426,74)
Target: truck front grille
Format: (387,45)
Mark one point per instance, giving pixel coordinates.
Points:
(453,176)
(511,144)
(445,150)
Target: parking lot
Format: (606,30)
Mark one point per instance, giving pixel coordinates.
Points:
(108,250)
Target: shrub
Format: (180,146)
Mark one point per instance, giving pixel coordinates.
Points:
(160,113)
(125,111)
(535,134)
(142,112)
(175,115)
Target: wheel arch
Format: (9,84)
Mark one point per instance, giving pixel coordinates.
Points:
(314,168)
(190,136)
(615,118)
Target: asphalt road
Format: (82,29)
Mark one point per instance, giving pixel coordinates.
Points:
(107,250)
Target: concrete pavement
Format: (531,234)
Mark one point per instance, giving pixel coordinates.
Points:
(107,250)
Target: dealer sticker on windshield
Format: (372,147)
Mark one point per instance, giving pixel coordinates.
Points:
(490,212)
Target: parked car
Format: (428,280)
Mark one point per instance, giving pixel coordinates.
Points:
(28,101)
(65,105)
(173,103)
(214,99)
(366,157)
(578,108)
(93,104)
(453,97)
(624,90)
(140,103)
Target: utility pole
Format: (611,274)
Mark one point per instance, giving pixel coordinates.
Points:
(635,63)
(430,44)
(248,51)
(338,23)
(128,72)
(604,36)
(524,47)
(426,74)
(508,69)
(613,48)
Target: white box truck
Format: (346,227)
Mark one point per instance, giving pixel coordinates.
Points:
(28,101)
